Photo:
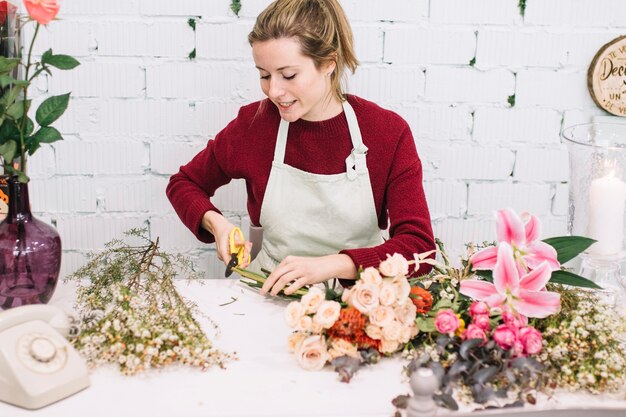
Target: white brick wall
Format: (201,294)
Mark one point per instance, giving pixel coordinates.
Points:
(141,107)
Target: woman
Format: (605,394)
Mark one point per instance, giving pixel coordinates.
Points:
(324,171)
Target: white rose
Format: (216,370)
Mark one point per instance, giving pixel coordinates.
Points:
(305,324)
(346,296)
(327,314)
(403,289)
(392,330)
(405,334)
(394,265)
(381,316)
(294,340)
(365,297)
(316,327)
(312,354)
(312,300)
(341,347)
(293,313)
(406,313)
(371,276)
(387,295)
(373,331)
(389,346)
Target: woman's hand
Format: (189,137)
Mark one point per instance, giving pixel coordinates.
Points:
(220,228)
(299,271)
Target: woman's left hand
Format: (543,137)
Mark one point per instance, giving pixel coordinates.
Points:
(299,271)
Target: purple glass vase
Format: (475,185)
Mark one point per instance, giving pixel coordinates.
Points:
(30,253)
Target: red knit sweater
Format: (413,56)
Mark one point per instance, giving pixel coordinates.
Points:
(245,149)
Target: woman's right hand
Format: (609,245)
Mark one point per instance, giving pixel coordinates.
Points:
(220,228)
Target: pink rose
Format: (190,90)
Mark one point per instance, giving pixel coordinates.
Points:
(518,349)
(514,320)
(482,321)
(531,339)
(478,307)
(446,321)
(504,336)
(43,11)
(475,332)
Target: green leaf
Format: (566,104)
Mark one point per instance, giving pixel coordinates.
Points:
(16,110)
(485,274)
(443,303)
(10,96)
(8,131)
(8,64)
(8,151)
(51,109)
(31,144)
(426,325)
(568,278)
(62,62)
(6,80)
(47,134)
(568,247)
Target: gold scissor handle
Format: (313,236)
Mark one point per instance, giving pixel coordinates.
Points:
(237,235)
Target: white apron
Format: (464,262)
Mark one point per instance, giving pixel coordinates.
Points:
(306,214)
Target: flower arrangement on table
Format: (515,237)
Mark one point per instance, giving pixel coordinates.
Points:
(511,321)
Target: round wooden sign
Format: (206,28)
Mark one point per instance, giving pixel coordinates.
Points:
(606,78)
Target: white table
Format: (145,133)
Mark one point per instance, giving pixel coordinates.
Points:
(265,381)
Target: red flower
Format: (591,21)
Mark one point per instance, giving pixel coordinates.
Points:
(6,8)
(422,299)
(350,326)
(43,11)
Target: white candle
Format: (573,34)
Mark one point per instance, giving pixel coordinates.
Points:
(607,197)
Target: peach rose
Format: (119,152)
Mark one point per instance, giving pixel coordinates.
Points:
(327,314)
(381,316)
(364,297)
(293,313)
(392,330)
(294,340)
(341,347)
(312,300)
(373,331)
(42,11)
(387,294)
(305,324)
(346,296)
(403,289)
(406,314)
(394,265)
(312,354)
(407,333)
(371,276)
(389,346)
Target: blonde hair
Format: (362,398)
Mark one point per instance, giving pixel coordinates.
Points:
(321,28)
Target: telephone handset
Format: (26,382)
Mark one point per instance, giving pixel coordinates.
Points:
(38,366)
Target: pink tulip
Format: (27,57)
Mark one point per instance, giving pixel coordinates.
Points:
(42,11)
(522,233)
(524,295)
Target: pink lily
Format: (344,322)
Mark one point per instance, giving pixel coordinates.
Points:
(522,233)
(525,295)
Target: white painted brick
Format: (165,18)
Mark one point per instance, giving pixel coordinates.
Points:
(599,13)
(232,197)
(224,40)
(79,115)
(465,162)
(437,122)
(468,85)
(250,8)
(63,194)
(171,8)
(554,226)
(582,46)
(71,262)
(524,48)
(480,12)
(389,10)
(387,83)
(42,164)
(132,194)
(485,198)
(409,45)
(99,8)
(92,79)
(534,164)
(151,39)
(455,233)
(368,43)
(106,157)
(218,80)
(560,202)
(63,36)
(529,125)
(213,116)
(446,198)
(556,89)
(173,235)
(92,232)
(167,157)
(576,116)
(208,263)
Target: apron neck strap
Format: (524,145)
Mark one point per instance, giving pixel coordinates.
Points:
(353,126)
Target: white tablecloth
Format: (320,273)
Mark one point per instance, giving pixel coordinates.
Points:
(265,381)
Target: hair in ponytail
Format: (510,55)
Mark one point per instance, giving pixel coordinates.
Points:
(320,26)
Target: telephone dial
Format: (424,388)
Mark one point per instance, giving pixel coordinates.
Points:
(38,366)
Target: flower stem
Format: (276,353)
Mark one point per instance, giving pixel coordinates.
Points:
(25,102)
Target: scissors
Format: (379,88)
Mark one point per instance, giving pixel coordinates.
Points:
(236,253)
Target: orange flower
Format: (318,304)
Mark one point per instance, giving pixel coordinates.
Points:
(42,11)
(350,326)
(422,299)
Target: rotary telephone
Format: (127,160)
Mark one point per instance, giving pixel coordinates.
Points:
(38,366)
